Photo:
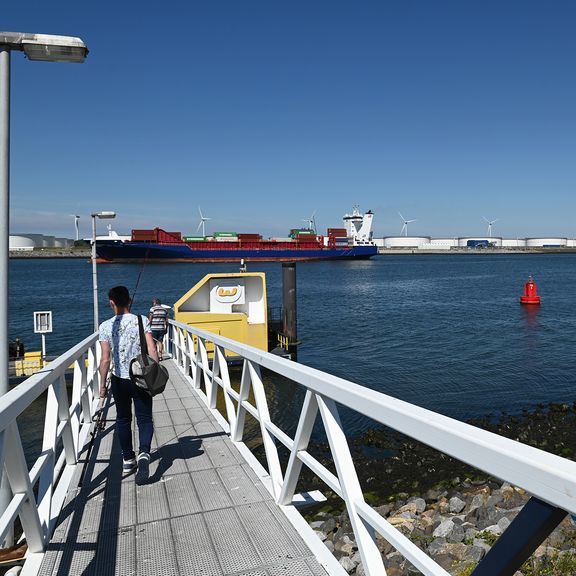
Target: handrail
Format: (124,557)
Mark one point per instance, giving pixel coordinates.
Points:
(550,478)
(68,422)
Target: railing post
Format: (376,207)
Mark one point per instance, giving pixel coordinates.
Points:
(237,431)
(301,440)
(270,449)
(226,385)
(46,485)
(351,490)
(17,472)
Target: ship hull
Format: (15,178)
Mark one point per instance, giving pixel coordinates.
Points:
(149,252)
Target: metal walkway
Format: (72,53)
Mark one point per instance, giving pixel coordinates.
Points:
(204,510)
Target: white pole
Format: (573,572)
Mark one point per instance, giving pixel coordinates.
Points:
(94,273)
(43,349)
(5,492)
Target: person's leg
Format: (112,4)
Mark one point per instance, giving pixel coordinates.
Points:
(122,394)
(143,410)
(161,346)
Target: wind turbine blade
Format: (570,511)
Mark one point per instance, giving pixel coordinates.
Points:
(403,219)
(200,212)
(408,221)
(199,226)
(486,219)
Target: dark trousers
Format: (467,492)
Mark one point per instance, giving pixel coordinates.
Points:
(125,392)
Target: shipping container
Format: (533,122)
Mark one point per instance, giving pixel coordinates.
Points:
(144,235)
(169,237)
(477,243)
(225,234)
(249,236)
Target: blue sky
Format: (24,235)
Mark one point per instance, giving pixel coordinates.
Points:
(263,112)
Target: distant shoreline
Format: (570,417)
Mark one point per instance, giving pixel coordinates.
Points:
(473,251)
(58,253)
(50,253)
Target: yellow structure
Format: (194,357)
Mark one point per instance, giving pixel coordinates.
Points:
(231,305)
(30,364)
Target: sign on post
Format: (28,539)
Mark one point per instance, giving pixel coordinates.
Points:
(43,325)
(42,322)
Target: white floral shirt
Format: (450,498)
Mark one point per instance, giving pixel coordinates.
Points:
(121,332)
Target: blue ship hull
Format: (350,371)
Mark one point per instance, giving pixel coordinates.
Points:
(151,252)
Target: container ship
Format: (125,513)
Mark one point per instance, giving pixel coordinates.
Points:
(353,241)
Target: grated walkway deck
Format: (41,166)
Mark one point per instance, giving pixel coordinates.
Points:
(204,511)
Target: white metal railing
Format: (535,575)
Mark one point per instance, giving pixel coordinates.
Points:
(548,477)
(66,429)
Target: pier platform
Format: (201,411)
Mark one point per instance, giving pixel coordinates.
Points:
(203,511)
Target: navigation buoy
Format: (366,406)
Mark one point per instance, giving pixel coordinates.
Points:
(530,295)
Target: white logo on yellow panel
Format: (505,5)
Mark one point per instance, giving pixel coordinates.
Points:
(228,294)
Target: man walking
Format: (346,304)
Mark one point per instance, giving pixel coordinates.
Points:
(120,343)
(158,318)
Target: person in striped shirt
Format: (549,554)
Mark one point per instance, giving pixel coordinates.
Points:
(158,318)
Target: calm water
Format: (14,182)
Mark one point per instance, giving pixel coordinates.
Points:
(443,332)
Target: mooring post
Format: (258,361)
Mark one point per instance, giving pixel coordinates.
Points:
(289,319)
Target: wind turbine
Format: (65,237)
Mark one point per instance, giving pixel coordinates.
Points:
(405,224)
(201,223)
(490,222)
(76,218)
(311,222)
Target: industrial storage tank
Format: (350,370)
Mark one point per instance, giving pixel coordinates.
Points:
(546,242)
(479,241)
(405,241)
(440,244)
(21,243)
(514,243)
(48,241)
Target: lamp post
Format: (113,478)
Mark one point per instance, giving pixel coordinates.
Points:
(36,47)
(95,215)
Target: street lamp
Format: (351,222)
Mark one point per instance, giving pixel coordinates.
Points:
(36,47)
(105,214)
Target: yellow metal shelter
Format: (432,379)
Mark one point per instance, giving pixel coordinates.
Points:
(231,305)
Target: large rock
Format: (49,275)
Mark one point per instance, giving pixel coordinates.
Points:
(450,530)
(347,563)
(456,505)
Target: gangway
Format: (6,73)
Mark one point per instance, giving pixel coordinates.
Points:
(210,497)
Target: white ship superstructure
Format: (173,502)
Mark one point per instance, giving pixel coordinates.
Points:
(359,227)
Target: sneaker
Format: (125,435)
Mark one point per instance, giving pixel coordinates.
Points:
(143,468)
(129,465)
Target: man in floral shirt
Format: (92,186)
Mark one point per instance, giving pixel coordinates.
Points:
(120,343)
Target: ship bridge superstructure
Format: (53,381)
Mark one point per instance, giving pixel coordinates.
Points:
(359,227)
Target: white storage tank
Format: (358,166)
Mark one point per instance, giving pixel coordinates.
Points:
(546,242)
(514,242)
(21,243)
(440,244)
(48,241)
(405,241)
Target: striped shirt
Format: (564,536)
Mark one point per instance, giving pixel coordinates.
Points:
(158,318)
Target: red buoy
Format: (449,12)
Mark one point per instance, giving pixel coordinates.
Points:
(530,295)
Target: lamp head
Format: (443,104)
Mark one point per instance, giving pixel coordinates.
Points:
(46,47)
(104,214)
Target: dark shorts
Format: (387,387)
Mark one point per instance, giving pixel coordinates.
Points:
(158,335)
